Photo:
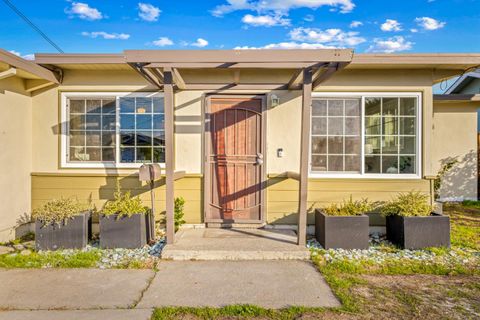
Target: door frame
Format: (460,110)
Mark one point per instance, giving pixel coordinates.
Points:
(206,152)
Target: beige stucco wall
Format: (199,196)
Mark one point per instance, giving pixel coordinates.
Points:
(16,155)
(455,137)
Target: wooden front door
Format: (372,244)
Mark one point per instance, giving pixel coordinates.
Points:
(234,165)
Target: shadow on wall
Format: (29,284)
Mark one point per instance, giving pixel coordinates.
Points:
(460,182)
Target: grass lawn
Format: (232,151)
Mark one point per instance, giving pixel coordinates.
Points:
(447,286)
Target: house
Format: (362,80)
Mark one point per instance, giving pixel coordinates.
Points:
(246,137)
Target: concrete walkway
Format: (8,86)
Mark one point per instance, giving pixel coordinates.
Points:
(235,244)
(132,294)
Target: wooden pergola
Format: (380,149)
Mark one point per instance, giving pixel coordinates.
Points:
(308,68)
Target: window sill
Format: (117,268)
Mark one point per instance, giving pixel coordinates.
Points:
(73,165)
(365,176)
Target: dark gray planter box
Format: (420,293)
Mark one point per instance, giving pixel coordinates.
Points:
(71,234)
(125,232)
(419,232)
(345,232)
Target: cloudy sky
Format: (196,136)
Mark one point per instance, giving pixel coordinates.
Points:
(389,26)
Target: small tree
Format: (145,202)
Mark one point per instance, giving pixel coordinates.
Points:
(179,212)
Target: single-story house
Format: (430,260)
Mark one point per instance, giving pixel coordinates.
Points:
(246,137)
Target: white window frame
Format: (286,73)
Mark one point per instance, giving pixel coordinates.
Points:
(361,174)
(64,141)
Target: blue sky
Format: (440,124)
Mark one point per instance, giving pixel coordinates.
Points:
(368,26)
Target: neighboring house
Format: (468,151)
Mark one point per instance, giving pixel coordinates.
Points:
(246,137)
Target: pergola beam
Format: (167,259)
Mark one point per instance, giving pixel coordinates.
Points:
(328,73)
(232,65)
(177,78)
(8,73)
(295,80)
(169,101)
(304,150)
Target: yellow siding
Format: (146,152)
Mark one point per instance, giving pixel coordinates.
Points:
(100,188)
(282,194)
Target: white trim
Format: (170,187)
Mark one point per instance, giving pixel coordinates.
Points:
(362,175)
(65,130)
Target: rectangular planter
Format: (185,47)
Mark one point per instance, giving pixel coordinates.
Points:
(72,234)
(125,232)
(345,232)
(419,232)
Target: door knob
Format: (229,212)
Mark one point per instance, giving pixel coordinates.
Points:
(259,160)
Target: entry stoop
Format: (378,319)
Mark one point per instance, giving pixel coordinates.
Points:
(235,244)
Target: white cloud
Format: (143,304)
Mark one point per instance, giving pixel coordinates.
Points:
(84,11)
(106,35)
(331,37)
(265,21)
(391,25)
(430,23)
(148,12)
(309,17)
(390,45)
(29,56)
(282,6)
(287,45)
(200,43)
(414,30)
(356,24)
(162,42)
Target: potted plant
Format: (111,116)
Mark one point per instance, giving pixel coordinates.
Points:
(124,222)
(413,224)
(62,224)
(343,225)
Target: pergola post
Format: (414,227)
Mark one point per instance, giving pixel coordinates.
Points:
(169,154)
(304,149)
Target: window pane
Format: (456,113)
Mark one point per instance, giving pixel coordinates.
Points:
(159,155)
(108,139)
(77,154)
(127,139)
(390,145)
(319,126)
(158,121)
(77,106)
(144,154)
(94,106)
(77,122)
(109,106)
(352,145)
(372,164)
(352,126)
(335,126)
(127,105)
(93,138)
(93,154)
(144,105)
(352,163)
(319,107)
(407,164)
(407,125)
(390,164)
(390,106)
(407,145)
(372,145)
(144,138)
(127,154)
(159,138)
(335,107)
(352,107)
(77,138)
(335,145)
(372,106)
(319,163)
(158,105)
(319,145)
(127,122)
(108,154)
(335,163)
(93,122)
(144,121)
(372,125)
(390,125)
(408,106)
(108,122)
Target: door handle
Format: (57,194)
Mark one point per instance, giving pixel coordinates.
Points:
(259,159)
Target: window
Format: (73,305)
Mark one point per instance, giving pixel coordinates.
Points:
(365,135)
(109,129)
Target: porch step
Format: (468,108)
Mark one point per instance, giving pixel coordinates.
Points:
(235,244)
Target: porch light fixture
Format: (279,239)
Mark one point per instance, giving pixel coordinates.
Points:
(274,100)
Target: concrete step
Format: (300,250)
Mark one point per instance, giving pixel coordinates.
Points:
(170,253)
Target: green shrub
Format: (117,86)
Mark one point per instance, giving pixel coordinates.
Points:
(179,212)
(349,208)
(59,211)
(410,204)
(124,205)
